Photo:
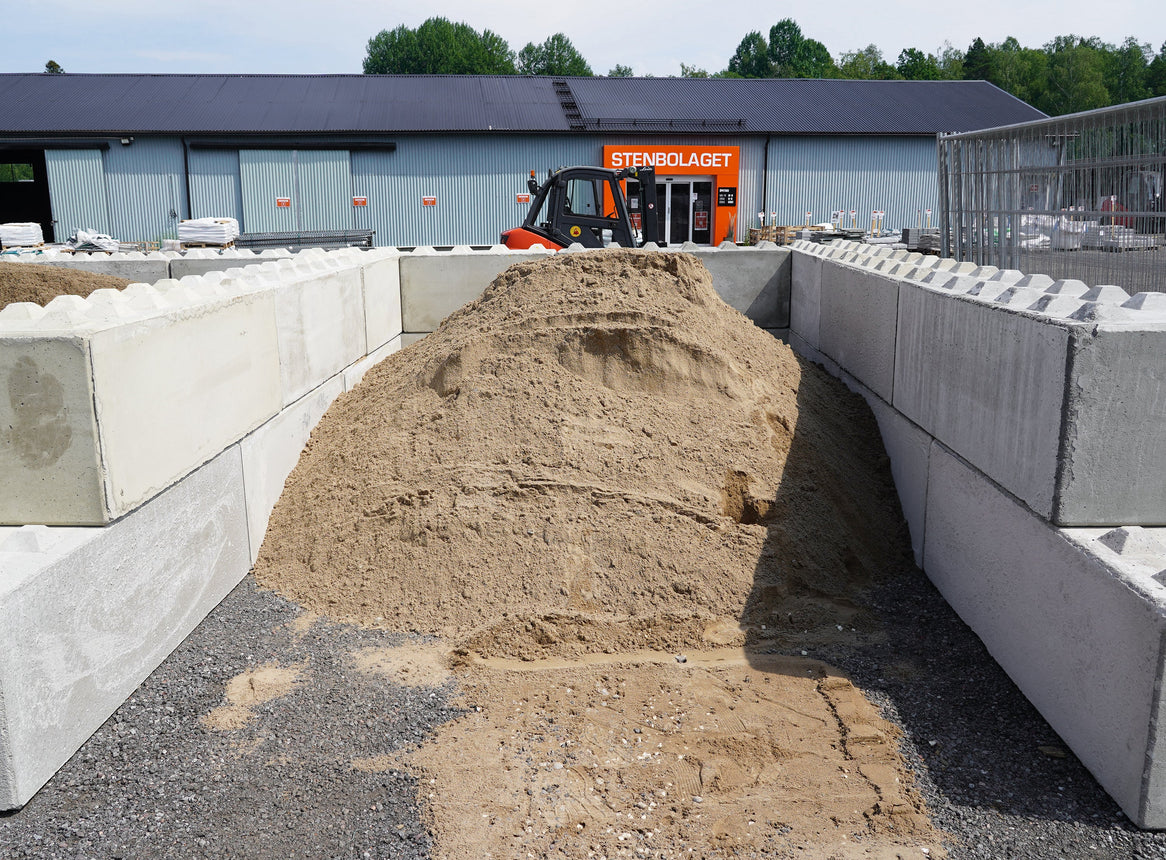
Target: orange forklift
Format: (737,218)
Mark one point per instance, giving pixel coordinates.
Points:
(586,205)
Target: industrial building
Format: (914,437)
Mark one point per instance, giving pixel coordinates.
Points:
(443,160)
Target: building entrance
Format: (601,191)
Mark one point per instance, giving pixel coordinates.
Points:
(684,206)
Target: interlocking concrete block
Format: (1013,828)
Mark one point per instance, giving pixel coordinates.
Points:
(320,315)
(1115,425)
(755,282)
(88,613)
(434,284)
(354,373)
(173,390)
(203,261)
(271,452)
(50,468)
(909,449)
(381,273)
(1081,637)
(987,382)
(806,294)
(142,268)
(857,325)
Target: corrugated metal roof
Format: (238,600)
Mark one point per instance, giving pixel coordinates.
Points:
(43,104)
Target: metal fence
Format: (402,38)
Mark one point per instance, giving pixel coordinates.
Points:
(1077,196)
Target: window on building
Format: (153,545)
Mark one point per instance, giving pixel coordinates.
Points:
(15,172)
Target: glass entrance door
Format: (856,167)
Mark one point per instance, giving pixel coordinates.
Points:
(684,207)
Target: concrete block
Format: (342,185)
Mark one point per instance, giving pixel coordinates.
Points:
(381,274)
(271,452)
(320,317)
(909,449)
(1081,639)
(755,282)
(88,613)
(986,382)
(859,312)
(435,284)
(1115,426)
(355,372)
(174,390)
(806,295)
(50,468)
(140,268)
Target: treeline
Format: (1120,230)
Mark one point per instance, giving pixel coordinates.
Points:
(1066,75)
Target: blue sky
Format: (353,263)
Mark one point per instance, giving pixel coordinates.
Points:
(311,37)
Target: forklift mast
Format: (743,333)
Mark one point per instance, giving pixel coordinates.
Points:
(587,205)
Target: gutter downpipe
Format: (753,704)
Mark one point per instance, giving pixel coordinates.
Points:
(186,174)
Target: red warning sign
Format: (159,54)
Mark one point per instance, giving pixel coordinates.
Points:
(700,219)
(283,202)
(522,198)
(359,201)
(428,201)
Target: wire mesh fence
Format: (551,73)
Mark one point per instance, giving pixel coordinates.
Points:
(1077,196)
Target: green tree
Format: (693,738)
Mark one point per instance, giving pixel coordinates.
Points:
(914,65)
(438,47)
(619,71)
(1156,73)
(977,62)
(52,67)
(792,55)
(687,71)
(555,56)
(751,59)
(867,65)
(1076,76)
(1125,71)
(1024,72)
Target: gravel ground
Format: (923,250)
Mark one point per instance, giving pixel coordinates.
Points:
(153,782)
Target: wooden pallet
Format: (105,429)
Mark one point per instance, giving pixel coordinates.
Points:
(35,247)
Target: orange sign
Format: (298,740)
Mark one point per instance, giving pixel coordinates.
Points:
(359,201)
(428,201)
(283,202)
(522,198)
(700,219)
(676,160)
(720,162)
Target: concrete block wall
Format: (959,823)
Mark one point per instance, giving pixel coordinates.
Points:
(1024,419)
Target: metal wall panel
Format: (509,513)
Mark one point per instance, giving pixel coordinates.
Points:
(817,174)
(77,190)
(475,180)
(324,179)
(215,188)
(147,193)
(268,175)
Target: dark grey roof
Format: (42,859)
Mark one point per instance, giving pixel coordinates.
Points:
(71,104)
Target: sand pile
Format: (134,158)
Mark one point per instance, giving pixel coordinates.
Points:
(596,452)
(595,484)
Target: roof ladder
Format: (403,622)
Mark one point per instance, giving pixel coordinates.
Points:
(569,106)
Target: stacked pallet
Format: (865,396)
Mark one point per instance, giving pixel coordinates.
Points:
(22,234)
(208,232)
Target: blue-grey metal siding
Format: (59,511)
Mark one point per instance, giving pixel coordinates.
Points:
(215,188)
(896,175)
(475,180)
(77,191)
(146,191)
(324,180)
(267,175)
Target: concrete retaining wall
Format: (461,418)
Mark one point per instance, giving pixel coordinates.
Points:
(1025,420)
(147,437)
